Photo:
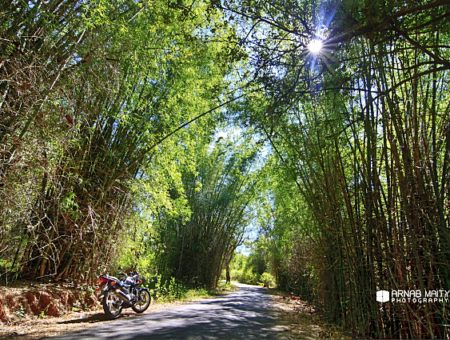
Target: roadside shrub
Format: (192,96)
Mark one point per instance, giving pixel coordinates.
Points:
(245,275)
(267,280)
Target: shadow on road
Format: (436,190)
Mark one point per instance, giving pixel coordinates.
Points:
(245,314)
(100,317)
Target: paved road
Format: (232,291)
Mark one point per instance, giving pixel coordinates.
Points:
(244,314)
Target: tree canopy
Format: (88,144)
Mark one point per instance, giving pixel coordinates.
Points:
(155,135)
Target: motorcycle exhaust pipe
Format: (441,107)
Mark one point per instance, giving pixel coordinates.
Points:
(122,295)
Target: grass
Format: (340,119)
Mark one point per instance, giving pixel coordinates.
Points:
(183,294)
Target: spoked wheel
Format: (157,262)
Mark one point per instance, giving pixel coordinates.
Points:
(143,302)
(112,305)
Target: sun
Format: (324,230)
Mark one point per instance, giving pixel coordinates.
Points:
(315,46)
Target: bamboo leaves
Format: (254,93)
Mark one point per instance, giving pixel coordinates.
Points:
(120,82)
(357,132)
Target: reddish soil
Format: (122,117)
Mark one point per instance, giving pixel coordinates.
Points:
(25,303)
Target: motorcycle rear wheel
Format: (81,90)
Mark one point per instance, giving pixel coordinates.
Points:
(143,302)
(112,305)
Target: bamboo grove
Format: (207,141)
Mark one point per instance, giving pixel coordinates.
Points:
(110,154)
(362,134)
(219,193)
(88,89)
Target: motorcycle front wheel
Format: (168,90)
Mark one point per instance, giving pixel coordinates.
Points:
(112,305)
(144,300)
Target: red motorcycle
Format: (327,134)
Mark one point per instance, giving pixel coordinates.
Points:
(116,294)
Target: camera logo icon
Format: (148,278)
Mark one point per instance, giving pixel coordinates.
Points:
(383,296)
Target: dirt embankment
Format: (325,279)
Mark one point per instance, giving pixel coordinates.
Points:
(32,300)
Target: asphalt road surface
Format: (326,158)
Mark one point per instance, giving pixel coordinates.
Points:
(244,314)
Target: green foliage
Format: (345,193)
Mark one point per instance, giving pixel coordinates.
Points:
(91,165)
(251,269)
(172,290)
(20,312)
(218,191)
(267,280)
(242,271)
(341,159)
(356,194)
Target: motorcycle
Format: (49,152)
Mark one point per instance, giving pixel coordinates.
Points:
(116,294)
